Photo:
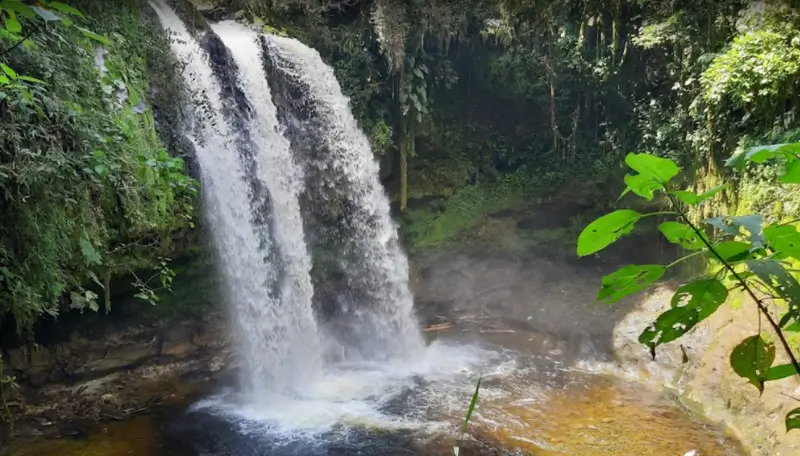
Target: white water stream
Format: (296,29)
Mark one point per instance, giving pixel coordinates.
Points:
(286,385)
(275,328)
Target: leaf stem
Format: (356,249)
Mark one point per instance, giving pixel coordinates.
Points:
(25,38)
(655,214)
(744,284)
(686,257)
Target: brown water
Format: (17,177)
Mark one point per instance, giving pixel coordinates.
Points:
(138,436)
(607,417)
(536,407)
(593,416)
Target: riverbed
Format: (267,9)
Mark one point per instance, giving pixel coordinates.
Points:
(531,403)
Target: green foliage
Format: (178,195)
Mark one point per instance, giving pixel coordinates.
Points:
(681,234)
(429,228)
(694,199)
(704,296)
(468,416)
(793,420)
(752,358)
(606,230)
(7,382)
(754,257)
(628,280)
(88,190)
(755,69)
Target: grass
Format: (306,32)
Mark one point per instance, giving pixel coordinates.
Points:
(431,226)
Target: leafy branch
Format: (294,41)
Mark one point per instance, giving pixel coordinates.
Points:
(757,258)
(743,283)
(19,42)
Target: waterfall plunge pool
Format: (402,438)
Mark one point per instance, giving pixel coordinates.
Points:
(530,404)
(278,147)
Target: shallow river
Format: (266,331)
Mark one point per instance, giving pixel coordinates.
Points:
(529,404)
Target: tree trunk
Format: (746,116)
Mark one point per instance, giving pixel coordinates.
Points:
(401,141)
(405,144)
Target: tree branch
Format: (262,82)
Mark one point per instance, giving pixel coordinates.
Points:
(744,284)
(25,38)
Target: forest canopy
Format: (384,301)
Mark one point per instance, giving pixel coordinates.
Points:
(467,101)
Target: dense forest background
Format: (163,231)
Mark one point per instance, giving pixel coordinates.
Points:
(473,107)
(478,102)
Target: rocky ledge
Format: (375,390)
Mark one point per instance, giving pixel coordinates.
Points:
(93,376)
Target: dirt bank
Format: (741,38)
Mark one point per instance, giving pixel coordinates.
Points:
(701,372)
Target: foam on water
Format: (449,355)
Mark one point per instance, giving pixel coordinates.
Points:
(360,394)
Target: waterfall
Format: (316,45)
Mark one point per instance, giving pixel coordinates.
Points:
(267,286)
(380,321)
(268,189)
(283,179)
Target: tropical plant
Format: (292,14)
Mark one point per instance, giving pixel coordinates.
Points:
(468,415)
(89,192)
(746,253)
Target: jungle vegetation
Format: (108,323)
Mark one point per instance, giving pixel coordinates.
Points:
(478,102)
(88,188)
(478,105)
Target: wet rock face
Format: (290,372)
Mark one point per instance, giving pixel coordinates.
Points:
(698,367)
(325,208)
(110,374)
(83,356)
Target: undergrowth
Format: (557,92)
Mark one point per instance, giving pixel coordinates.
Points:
(89,191)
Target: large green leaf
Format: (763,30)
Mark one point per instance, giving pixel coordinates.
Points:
(605,230)
(785,286)
(780,371)
(793,420)
(661,169)
(642,185)
(692,198)
(705,295)
(628,280)
(794,327)
(752,358)
(760,154)
(18,7)
(11,22)
(733,251)
(31,79)
(97,37)
(734,225)
(774,275)
(691,304)
(61,7)
(8,71)
(681,234)
(784,239)
(791,173)
(669,326)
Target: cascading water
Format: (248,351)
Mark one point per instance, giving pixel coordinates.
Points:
(289,178)
(283,179)
(378,308)
(270,302)
(273,174)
